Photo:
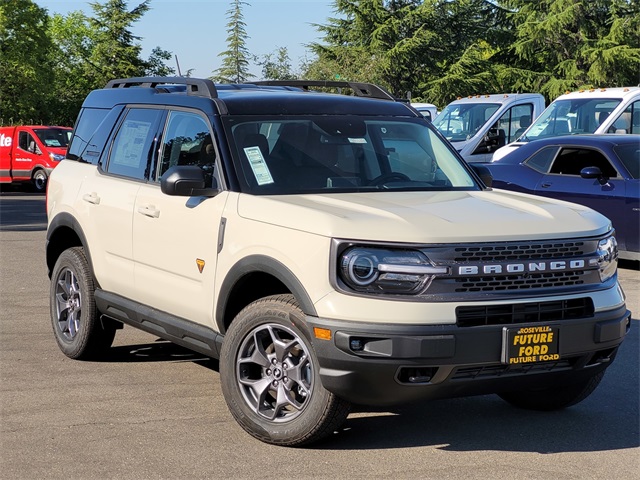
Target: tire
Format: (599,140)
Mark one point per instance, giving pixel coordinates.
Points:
(553,398)
(74,317)
(263,346)
(39,180)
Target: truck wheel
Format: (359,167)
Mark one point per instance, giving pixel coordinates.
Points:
(553,398)
(74,316)
(269,376)
(39,180)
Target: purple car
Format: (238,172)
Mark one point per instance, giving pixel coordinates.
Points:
(599,171)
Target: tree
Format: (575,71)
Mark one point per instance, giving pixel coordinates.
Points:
(572,44)
(74,41)
(235,59)
(116,51)
(408,44)
(25,62)
(277,65)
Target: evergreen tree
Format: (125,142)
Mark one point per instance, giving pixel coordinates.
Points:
(116,51)
(571,44)
(235,59)
(25,62)
(277,65)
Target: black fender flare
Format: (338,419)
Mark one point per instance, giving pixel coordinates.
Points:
(65,219)
(264,264)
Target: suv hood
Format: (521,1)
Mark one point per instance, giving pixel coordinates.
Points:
(427,217)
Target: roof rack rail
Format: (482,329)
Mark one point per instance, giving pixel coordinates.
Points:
(359,89)
(198,87)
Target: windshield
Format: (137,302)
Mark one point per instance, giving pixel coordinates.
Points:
(54,137)
(287,155)
(569,117)
(460,122)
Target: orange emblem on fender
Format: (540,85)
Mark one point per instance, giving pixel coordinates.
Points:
(200,264)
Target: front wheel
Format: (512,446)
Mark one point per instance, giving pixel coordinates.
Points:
(269,376)
(553,398)
(76,325)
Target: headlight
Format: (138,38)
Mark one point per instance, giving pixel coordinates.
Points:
(380,270)
(56,157)
(607,260)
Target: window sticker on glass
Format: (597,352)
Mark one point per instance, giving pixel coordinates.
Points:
(129,151)
(258,165)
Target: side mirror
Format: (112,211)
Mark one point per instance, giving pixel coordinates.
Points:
(484,174)
(186,181)
(594,172)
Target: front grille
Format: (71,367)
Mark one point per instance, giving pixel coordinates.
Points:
(532,312)
(496,371)
(519,251)
(519,282)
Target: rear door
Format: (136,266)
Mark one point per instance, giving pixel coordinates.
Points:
(109,196)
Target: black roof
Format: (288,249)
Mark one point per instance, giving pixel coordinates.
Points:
(261,98)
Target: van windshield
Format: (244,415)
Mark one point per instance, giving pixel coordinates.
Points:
(326,154)
(54,137)
(460,122)
(571,116)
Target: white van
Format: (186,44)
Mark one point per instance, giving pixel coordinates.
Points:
(427,110)
(478,125)
(601,110)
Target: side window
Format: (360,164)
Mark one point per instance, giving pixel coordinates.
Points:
(515,121)
(132,149)
(27,143)
(187,141)
(571,160)
(628,121)
(635,117)
(86,125)
(541,161)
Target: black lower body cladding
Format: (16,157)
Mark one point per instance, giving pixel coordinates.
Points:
(387,364)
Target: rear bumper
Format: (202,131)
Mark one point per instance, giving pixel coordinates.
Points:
(373,364)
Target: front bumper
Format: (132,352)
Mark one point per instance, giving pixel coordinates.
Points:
(386,364)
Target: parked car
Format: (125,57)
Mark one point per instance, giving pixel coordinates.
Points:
(427,110)
(599,171)
(598,110)
(328,249)
(478,125)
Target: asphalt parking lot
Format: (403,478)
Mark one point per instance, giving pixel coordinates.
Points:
(153,410)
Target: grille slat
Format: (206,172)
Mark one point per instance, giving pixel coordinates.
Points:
(520,251)
(532,312)
(494,371)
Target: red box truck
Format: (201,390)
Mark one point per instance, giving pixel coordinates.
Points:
(29,153)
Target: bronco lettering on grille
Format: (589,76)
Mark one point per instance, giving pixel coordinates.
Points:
(515,268)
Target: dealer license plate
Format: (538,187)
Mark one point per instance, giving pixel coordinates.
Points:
(529,344)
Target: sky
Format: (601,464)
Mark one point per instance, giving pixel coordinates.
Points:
(196,30)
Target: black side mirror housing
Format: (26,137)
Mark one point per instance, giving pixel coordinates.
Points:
(484,174)
(186,181)
(594,172)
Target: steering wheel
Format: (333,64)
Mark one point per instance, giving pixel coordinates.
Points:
(387,177)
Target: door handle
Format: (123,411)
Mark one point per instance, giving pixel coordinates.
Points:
(149,211)
(546,184)
(91,198)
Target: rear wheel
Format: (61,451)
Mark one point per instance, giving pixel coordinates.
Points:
(553,398)
(269,375)
(39,180)
(76,324)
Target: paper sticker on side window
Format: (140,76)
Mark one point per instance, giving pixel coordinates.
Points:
(258,165)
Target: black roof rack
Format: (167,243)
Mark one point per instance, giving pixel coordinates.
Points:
(359,89)
(198,87)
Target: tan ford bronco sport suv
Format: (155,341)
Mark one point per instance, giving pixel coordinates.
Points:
(328,249)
